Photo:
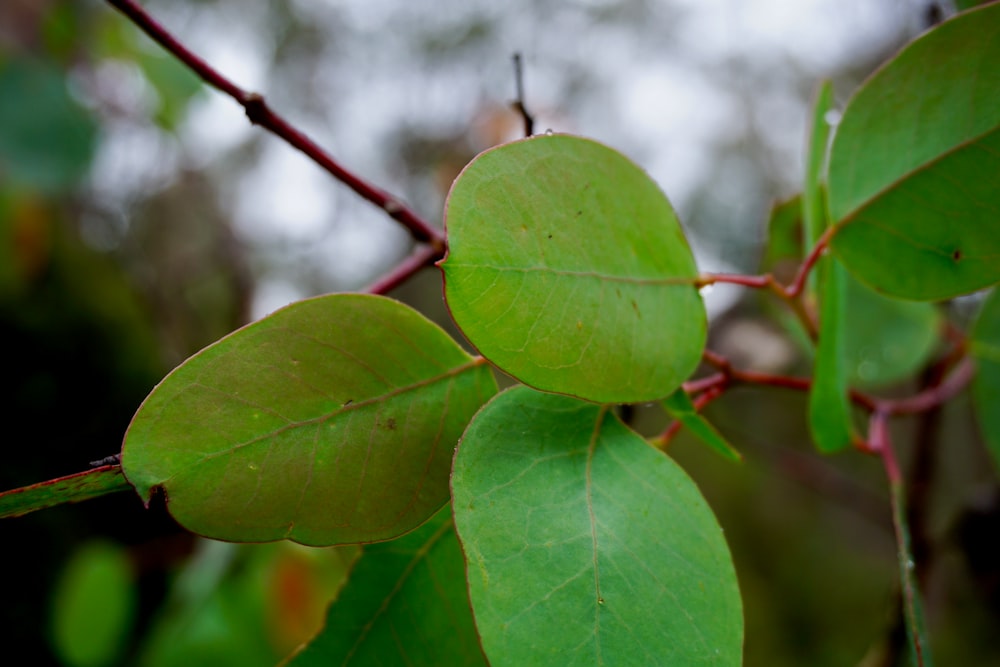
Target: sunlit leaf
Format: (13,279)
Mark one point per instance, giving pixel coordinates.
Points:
(680,407)
(94,606)
(986,383)
(567,268)
(914,177)
(330,421)
(405,603)
(585,545)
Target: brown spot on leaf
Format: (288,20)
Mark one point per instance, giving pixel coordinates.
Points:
(635,307)
(957,255)
(391,424)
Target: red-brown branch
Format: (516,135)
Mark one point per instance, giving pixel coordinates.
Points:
(259,113)
(423,256)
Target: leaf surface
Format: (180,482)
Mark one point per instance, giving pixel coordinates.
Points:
(567,268)
(585,545)
(829,401)
(680,407)
(986,382)
(914,178)
(405,603)
(330,421)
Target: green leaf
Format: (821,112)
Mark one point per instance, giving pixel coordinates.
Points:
(680,407)
(784,239)
(567,268)
(70,489)
(405,603)
(813,202)
(915,166)
(46,138)
(331,421)
(986,383)
(585,545)
(886,340)
(829,402)
(94,606)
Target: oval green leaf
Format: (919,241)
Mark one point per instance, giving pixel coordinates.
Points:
(567,268)
(585,545)
(986,383)
(914,179)
(405,603)
(330,421)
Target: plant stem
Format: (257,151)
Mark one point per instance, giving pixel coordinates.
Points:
(880,442)
(259,113)
(422,257)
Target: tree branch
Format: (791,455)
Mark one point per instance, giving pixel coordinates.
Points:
(259,113)
(424,256)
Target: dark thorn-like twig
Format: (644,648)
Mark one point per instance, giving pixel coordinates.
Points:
(518,104)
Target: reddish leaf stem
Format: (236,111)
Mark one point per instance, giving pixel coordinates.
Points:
(880,442)
(259,113)
(791,293)
(423,256)
(927,399)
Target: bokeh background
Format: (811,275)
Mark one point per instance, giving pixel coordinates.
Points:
(142,217)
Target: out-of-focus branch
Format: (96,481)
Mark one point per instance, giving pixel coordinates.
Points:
(259,113)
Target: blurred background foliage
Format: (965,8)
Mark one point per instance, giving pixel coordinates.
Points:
(141,218)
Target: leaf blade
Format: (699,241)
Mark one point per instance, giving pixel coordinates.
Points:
(914,162)
(306,426)
(567,269)
(583,541)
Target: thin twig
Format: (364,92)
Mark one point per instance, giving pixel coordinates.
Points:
(424,256)
(880,441)
(518,103)
(259,113)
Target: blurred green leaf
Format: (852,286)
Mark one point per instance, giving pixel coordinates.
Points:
(405,603)
(784,238)
(94,606)
(174,83)
(587,546)
(986,383)
(915,165)
(567,268)
(331,421)
(680,407)
(47,140)
(886,340)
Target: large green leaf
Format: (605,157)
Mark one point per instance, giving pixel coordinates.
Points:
(405,603)
(567,268)
(986,383)
(585,545)
(914,177)
(331,421)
